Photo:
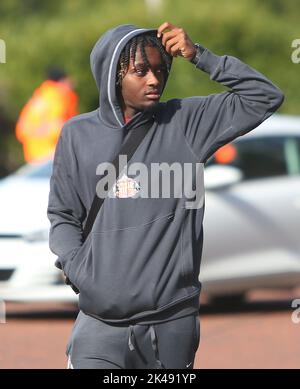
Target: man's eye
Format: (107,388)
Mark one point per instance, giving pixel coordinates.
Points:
(140,72)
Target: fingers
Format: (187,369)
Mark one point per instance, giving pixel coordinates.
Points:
(163,27)
(173,47)
(167,36)
(176,41)
(173,38)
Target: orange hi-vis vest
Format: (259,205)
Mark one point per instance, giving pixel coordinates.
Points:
(40,121)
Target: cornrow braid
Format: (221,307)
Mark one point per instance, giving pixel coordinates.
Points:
(129,53)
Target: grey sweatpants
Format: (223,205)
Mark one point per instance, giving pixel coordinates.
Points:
(94,344)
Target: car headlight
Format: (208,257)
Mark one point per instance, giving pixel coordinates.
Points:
(37,236)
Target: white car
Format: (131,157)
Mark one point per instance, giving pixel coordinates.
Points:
(251,222)
(27,271)
(252,215)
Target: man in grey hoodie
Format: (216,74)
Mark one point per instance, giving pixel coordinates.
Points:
(137,271)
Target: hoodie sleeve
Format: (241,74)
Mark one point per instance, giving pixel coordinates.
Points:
(211,121)
(65,209)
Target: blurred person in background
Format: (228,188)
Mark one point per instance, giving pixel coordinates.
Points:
(42,118)
(137,271)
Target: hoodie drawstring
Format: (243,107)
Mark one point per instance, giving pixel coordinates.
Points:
(131,339)
(153,336)
(154,347)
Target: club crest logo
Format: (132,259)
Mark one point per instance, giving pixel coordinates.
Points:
(125,187)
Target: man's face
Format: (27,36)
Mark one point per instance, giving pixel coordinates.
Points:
(142,86)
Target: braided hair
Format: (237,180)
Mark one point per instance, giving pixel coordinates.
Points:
(129,53)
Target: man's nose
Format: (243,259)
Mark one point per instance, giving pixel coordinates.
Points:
(152,78)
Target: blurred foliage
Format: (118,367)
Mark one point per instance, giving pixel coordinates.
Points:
(39,33)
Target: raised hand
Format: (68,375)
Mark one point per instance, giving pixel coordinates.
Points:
(176,41)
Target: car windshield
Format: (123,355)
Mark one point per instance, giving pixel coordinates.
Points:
(261,157)
(43,170)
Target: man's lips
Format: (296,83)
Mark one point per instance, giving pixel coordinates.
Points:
(153,95)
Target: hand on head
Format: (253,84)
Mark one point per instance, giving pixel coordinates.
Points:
(176,41)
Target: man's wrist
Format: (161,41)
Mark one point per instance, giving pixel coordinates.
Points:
(199,50)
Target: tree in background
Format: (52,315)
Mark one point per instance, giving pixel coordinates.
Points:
(39,32)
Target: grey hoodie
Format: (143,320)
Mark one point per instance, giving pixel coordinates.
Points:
(142,259)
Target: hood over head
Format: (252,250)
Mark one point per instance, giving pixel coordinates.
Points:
(104,60)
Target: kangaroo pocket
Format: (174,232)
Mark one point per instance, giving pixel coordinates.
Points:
(132,270)
(76,269)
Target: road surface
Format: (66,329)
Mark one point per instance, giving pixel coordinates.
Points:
(258,334)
